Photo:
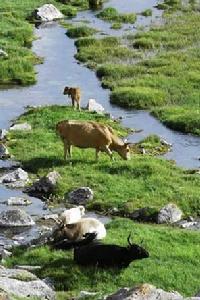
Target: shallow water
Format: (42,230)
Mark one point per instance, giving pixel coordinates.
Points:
(60,68)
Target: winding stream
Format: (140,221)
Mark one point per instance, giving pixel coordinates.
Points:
(60,68)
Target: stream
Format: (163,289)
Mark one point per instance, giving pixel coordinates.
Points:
(60,69)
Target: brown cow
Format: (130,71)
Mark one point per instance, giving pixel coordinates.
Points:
(75,94)
(91,135)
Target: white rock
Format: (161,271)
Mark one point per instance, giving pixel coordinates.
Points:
(18,201)
(22,126)
(17,175)
(3,152)
(3,134)
(15,218)
(3,53)
(47,12)
(95,106)
(170,213)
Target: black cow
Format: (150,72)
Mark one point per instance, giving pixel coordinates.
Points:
(102,255)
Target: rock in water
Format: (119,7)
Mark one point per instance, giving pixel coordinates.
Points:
(15,218)
(47,12)
(95,106)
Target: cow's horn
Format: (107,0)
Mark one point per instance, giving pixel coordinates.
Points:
(129,239)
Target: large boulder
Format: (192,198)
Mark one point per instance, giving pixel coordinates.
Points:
(22,126)
(46,13)
(146,292)
(80,196)
(44,186)
(94,106)
(4,152)
(15,218)
(16,178)
(170,213)
(21,283)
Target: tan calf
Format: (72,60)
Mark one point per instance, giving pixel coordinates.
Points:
(75,94)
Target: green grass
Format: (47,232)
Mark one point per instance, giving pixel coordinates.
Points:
(80,31)
(156,69)
(142,181)
(172,265)
(111,14)
(147,13)
(16,36)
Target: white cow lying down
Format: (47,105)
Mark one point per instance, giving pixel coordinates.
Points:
(72,215)
(76,231)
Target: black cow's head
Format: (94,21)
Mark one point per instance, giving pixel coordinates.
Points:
(135,251)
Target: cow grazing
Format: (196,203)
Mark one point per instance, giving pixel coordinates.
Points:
(102,255)
(75,94)
(91,135)
(77,231)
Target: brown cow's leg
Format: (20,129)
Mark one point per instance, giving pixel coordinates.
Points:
(73,102)
(109,152)
(70,151)
(97,154)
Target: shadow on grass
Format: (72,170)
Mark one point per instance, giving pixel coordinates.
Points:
(37,163)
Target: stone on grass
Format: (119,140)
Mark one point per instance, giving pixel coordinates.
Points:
(16,178)
(18,201)
(22,126)
(15,218)
(95,106)
(3,134)
(80,196)
(146,292)
(23,284)
(44,186)
(4,152)
(3,54)
(170,213)
(46,13)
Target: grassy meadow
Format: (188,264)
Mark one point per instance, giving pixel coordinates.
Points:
(16,34)
(172,264)
(126,185)
(156,69)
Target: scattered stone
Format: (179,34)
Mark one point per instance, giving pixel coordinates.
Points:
(50,217)
(4,152)
(22,126)
(146,292)
(192,225)
(80,196)
(15,218)
(85,294)
(16,178)
(46,13)
(28,268)
(18,201)
(4,254)
(3,54)
(170,213)
(3,134)
(165,143)
(95,106)
(21,283)
(44,186)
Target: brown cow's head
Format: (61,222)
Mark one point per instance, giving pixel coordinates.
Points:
(124,151)
(67,90)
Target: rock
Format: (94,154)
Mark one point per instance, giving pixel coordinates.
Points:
(80,196)
(46,13)
(3,54)
(28,268)
(170,213)
(193,225)
(21,283)
(4,152)
(145,214)
(16,178)
(44,186)
(15,218)
(165,143)
(22,126)
(4,296)
(50,217)
(146,292)
(18,201)
(3,134)
(4,254)
(86,294)
(95,106)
